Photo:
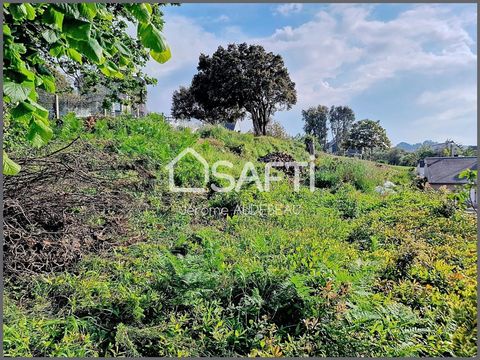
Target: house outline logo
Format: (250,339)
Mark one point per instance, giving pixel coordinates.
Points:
(171,165)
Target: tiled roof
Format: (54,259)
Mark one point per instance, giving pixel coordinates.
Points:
(445,170)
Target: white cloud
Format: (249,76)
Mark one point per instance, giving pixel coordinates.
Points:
(222,18)
(454,113)
(186,40)
(353,52)
(464,95)
(340,53)
(287,9)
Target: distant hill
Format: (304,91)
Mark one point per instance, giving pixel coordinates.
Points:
(414,147)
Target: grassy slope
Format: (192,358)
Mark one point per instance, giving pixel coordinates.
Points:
(355,273)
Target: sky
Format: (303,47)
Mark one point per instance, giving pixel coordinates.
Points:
(413,67)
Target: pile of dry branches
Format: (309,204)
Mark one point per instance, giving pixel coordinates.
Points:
(64,205)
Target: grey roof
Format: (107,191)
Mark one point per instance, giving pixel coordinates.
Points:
(445,170)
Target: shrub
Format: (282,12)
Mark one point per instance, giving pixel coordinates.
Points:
(276,130)
(346,202)
(71,127)
(332,172)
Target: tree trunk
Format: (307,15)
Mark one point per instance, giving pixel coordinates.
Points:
(256,128)
(260,121)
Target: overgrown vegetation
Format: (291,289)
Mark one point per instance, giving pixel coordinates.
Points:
(87,41)
(353,273)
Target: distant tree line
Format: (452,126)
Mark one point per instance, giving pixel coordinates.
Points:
(245,80)
(364,136)
(397,156)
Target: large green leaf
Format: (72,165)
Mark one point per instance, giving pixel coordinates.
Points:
(161,57)
(26,73)
(39,132)
(68,9)
(151,37)
(91,49)
(122,48)
(18,11)
(30,11)
(9,166)
(77,29)
(53,17)
(123,61)
(50,36)
(102,12)
(48,83)
(6,30)
(88,10)
(16,92)
(33,93)
(74,55)
(140,11)
(57,50)
(23,111)
(40,110)
(148,7)
(111,69)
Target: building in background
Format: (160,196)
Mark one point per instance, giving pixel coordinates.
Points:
(444,172)
(90,104)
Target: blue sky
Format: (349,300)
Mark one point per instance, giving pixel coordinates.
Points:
(413,67)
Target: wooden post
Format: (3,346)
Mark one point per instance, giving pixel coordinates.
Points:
(310,146)
(57,108)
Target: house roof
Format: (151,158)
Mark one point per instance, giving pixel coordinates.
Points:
(445,170)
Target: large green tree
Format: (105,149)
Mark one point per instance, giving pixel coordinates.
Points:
(81,38)
(341,120)
(185,106)
(235,80)
(367,135)
(316,119)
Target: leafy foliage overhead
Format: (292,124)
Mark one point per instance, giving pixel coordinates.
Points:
(86,38)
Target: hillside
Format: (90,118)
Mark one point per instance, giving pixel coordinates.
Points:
(414,147)
(101,259)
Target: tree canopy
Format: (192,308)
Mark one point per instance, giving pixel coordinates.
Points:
(186,106)
(236,80)
(316,119)
(341,120)
(367,135)
(82,39)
